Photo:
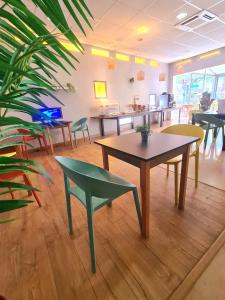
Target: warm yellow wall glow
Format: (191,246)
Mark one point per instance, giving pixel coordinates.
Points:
(99,52)
(154,63)
(70,46)
(183,62)
(209,54)
(142,29)
(122,57)
(139,60)
(100,89)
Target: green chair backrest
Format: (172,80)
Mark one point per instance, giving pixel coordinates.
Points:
(95,181)
(80,124)
(210,119)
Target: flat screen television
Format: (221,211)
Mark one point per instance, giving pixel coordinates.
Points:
(48,114)
(164,101)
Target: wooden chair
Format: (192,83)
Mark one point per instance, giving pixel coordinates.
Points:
(187,130)
(14,174)
(28,137)
(95,187)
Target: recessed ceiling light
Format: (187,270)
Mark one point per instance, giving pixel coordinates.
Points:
(142,29)
(181,16)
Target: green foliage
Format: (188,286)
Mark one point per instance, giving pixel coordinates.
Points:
(30,56)
(143,128)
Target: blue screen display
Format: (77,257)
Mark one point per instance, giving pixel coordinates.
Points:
(50,113)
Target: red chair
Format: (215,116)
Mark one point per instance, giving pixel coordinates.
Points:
(14,174)
(27,139)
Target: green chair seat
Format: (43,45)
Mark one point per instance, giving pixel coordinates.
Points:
(94,188)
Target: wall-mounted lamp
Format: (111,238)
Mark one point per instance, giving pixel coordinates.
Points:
(162,77)
(111,64)
(140,75)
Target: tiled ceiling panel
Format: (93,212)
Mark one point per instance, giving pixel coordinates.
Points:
(146,27)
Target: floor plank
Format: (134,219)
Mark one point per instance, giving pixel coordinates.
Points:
(40,260)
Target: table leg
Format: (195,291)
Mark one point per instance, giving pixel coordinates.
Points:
(70,136)
(106,164)
(223,141)
(183,178)
(118,126)
(144,120)
(149,120)
(50,140)
(145,196)
(64,138)
(179,115)
(132,123)
(161,119)
(101,125)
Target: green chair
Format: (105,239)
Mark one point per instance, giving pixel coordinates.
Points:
(209,122)
(82,126)
(94,188)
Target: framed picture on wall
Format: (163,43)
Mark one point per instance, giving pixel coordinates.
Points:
(100,89)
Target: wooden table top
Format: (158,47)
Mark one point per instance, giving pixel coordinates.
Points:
(158,144)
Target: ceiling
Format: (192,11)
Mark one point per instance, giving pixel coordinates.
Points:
(117,24)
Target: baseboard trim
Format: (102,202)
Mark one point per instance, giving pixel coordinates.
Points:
(181,292)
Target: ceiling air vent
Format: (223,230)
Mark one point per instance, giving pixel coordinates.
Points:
(196,21)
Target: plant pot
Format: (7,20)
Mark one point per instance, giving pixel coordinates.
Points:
(144,137)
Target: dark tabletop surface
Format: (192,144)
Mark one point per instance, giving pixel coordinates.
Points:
(158,144)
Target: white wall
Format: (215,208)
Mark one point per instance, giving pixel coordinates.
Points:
(83,103)
(196,64)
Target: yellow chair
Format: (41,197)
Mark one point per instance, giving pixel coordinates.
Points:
(187,130)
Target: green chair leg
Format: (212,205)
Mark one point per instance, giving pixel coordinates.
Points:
(88,135)
(68,204)
(91,236)
(137,205)
(75,139)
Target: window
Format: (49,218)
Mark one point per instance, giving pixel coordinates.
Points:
(220,91)
(197,85)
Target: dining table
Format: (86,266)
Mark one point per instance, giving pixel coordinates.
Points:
(159,149)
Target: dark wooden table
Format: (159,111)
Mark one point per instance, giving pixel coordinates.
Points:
(61,125)
(161,148)
(145,114)
(220,116)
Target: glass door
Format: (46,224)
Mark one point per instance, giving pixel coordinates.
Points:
(197,85)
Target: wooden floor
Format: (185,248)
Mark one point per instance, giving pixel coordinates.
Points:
(39,260)
(210,284)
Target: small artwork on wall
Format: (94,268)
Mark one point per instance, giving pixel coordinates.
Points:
(100,89)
